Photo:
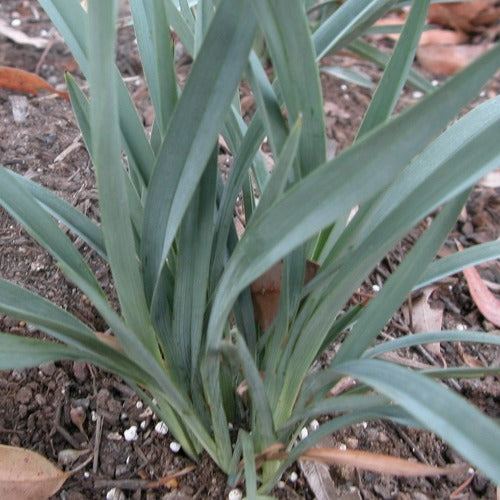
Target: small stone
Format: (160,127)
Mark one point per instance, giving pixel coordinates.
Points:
(376,288)
(115,494)
(293,477)
(48,369)
(303,433)
(130,434)
(24,395)
(314,425)
(161,428)
(235,494)
(175,447)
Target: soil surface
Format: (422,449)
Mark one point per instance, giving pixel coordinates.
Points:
(73,406)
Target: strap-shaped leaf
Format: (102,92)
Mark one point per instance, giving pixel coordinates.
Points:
(460,260)
(189,141)
(113,197)
(157,57)
(345,181)
(299,83)
(430,403)
(349,21)
(396,72)
(72,22)
(428,337)
(22,352)
(63,212)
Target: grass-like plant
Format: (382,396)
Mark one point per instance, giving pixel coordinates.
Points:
(185,336)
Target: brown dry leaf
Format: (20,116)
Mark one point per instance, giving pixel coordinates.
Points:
(375,462)
(448,59)
(428,319)
(443,37)
(27,475)
(463,16)
(318,475)
(485,301)
(26,82)
(266,292)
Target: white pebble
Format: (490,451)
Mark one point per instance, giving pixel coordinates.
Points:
(293,477)
(281,484)
(314,425)
(130,434)
(175,446)
(342,446)
(235,494)
(86,475)
(93,416)
(376,288)
(15,23)
(303,433)
(435,83)
(139,405)
(417,94)
(161,428)
(144,424)
(115,494)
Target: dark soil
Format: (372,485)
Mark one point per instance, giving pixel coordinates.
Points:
(66,405)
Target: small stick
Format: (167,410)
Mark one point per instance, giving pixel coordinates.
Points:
(97,443)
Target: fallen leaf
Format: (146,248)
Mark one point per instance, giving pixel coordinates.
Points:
(266,292)
(486,302)
(318,475)
(443,37)
(448,59)
(463,16)
(27,475)
(21,38)
(425,318)
(376,462)
(26,82)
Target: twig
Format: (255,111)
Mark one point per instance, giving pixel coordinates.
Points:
(123,484)
(97,443)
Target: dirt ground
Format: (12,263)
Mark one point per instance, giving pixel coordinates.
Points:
(66,405)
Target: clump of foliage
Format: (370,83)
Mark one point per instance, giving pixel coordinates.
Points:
(186,337)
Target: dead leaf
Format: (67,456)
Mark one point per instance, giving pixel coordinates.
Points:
(462,16)
(449,59)
(425,318)
(486,302)
(375,462)
(27,475)
(443,37)
(26,82)
(21,38)
(318,475)
(266,292)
